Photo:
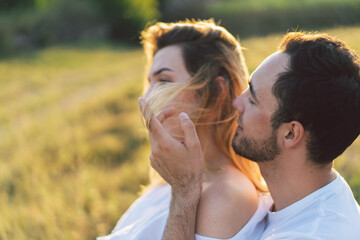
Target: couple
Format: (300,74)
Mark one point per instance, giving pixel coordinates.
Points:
(300,111)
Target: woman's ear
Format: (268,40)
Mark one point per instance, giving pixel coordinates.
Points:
(220,81)
(221,85)
(292,133)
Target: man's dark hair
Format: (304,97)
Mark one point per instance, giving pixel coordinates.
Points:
(321,90)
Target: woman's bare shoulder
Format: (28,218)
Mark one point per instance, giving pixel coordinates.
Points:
(227,204)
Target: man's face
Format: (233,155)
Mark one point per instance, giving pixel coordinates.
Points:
(255,139)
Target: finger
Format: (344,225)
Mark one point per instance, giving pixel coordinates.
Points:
(158,133)
(152,161)
(155,164)
(188,128)
(153,142)
(166,113)
(144,106)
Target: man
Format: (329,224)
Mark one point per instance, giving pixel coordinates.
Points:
(301,111)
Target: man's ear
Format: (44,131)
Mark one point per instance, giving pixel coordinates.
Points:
(292,133)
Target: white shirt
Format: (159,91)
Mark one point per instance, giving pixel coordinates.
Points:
(328,213)
(147,217)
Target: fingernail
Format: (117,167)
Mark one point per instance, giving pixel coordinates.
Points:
(183,115)
(140,99)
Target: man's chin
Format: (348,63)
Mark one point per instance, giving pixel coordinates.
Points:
(260,152)
(236,145)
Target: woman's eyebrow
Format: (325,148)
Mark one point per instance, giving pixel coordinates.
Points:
(161,70)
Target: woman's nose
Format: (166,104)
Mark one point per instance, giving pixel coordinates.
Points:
(238,103)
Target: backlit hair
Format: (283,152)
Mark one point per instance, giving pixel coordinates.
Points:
(208,51)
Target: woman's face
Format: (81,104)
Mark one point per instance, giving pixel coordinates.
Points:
(168,66)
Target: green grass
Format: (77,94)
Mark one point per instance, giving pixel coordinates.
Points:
(249,18)
(239,7)
(73,151)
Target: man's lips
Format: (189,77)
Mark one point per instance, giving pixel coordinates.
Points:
(239,128)
(239,122)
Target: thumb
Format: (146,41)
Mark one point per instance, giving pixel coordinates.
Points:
(188,128)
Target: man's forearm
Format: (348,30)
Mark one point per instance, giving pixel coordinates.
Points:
(182,216)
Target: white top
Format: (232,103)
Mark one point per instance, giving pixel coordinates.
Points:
(147,216)
(329,213)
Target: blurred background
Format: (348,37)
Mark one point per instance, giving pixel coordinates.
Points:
(73,151)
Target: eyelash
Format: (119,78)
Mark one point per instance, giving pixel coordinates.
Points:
(164,81)
(251,101)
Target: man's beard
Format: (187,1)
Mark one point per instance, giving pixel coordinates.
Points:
(256,150)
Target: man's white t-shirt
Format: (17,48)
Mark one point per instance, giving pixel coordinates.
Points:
(147,217)
(329,213)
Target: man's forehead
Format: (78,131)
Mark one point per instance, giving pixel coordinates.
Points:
(269,70)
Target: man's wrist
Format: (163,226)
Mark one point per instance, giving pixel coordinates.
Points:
(182,216)
(189,193)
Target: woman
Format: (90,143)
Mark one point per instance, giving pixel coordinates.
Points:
(197,67)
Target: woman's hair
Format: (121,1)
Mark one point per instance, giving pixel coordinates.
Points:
(208,51)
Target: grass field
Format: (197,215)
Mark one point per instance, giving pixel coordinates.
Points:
(73,151)
(257,18)
(238,7)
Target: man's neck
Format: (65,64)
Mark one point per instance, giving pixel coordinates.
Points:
(290,180)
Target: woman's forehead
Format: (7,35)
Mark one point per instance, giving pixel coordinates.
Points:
(170,56)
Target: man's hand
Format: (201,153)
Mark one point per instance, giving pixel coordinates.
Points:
(180,164)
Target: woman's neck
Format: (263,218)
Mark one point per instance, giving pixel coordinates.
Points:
(215,160)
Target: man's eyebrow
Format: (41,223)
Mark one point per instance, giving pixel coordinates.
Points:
(160,71)
(252,91)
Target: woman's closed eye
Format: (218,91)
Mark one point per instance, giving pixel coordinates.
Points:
(159,80)
(164,80)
